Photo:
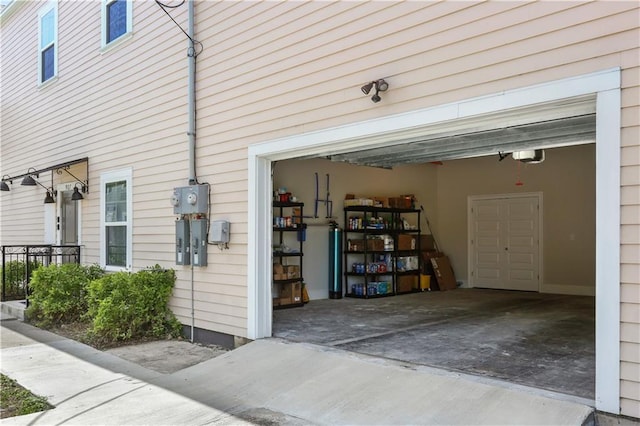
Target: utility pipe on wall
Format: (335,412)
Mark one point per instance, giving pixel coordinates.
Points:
(191,133)
(191,97)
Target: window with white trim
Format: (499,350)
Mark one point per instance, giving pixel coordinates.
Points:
(115,220)
(117,20)
(48,42)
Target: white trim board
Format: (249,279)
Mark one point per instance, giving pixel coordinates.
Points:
(525,102)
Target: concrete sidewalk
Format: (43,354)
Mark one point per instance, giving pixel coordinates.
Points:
(264,382)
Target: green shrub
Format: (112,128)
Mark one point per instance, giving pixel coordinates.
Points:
(125,306)
(15,279)
(58,292)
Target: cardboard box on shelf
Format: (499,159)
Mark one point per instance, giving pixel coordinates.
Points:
(406,242)
(296,292)
(407,283)
(287,293)
(292,271)
(381,201)
(358,202)
(355,245)
(279,272)
(375,244)
(402,202)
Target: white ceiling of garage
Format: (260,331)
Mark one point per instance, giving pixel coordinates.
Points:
(437,147)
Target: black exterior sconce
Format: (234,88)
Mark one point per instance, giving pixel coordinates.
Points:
(380,86)
(28,179)
(3,183)
(84,187)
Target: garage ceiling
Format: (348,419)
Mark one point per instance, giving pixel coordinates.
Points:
(553,133)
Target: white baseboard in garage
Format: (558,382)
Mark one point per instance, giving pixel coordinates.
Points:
(575,290)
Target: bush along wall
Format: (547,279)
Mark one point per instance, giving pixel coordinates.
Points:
(115,307)
(59,293)
(125,306)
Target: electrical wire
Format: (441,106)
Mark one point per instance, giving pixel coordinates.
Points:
(192,50)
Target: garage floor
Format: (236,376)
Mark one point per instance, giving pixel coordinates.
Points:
(541,340)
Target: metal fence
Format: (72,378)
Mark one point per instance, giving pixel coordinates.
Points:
(19,262)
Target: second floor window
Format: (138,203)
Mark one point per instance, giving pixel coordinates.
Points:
(48,42)
(116,19)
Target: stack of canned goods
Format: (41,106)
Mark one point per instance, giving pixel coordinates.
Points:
(370,268)
(283,222)
(373,288)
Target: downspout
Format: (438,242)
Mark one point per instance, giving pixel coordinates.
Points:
(191,133)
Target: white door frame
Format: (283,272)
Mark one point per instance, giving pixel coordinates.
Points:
(67,186)
(603,85)
(471,231)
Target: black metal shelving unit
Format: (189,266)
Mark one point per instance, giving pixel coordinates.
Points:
(290,286)
(364,277)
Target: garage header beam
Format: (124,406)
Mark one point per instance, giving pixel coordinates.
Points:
(547,134)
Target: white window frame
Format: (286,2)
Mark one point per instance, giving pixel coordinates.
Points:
(110,177)
(105,29)
(51,5)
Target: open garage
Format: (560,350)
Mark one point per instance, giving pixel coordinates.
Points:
(541,336)
(452,167)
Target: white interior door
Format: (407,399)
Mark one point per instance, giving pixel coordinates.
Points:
(504,242)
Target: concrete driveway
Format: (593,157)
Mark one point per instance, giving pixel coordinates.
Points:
(268,381)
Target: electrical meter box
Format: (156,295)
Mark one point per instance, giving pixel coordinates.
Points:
(192,199)
(199,241)
(183,254)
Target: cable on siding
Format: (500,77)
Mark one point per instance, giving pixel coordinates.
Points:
(192,50)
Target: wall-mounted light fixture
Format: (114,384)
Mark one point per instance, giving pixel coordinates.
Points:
(380,86)
(84,185)
(77,196)
(28,179)
(48,199)
(3,184)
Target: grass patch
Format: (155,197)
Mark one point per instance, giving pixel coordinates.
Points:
(17,401)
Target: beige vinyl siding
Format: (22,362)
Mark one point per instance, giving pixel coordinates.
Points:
(424,66)
(630,239)
(273,69)
(277,76)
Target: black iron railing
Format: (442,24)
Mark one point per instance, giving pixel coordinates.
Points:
(19,261)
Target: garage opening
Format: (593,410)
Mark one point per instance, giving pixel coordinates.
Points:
(458,128)
(490,323)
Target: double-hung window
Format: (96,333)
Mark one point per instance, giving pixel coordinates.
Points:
(115,221)
(117,20)
(48,42)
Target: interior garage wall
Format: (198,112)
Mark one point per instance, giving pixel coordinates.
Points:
(567,180)
(297,176)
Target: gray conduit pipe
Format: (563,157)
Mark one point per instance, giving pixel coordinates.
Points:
(191,133)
